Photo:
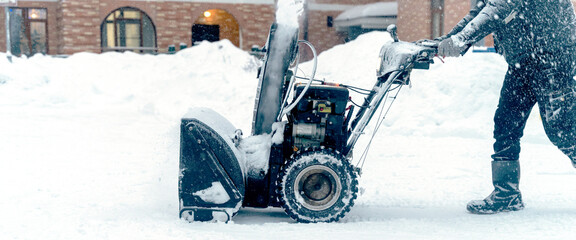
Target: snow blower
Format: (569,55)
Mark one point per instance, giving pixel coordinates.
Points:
(311,127)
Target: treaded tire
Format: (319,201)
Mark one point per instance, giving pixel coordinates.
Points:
(317,185)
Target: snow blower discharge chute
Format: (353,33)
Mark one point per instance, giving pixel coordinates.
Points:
(312,127)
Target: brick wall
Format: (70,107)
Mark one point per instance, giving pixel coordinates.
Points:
(349,2)
(454,11)
(254,21)
(74,26)
(79,26)
(415,23)
(319,34)
(414,19)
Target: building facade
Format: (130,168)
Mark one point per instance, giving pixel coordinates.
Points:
(431,18)
(69,26)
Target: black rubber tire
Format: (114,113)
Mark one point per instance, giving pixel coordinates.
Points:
(317,185)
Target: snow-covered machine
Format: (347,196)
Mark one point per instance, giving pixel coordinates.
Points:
(311,129)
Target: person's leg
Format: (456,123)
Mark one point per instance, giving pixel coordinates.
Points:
(556,94)
(516,102)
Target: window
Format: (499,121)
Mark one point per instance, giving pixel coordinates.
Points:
(28,31)
(437,18)
(128,29)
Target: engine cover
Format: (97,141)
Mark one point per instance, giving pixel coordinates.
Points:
(318,119)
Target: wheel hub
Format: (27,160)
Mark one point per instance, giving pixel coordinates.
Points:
(318,186)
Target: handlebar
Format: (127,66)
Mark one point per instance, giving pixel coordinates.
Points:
(405,56)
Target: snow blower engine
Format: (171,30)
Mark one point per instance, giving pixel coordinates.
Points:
(311,129)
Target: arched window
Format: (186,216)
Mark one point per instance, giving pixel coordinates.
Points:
(128,29)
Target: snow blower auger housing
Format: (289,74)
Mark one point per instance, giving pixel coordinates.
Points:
(312,130)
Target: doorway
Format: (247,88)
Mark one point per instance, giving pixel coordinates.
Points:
(204,32)
(215,25)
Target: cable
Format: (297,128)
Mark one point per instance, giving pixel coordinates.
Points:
(356,104)
(295,102)
(382,116)
(359,90)
(284,102)
(353,88)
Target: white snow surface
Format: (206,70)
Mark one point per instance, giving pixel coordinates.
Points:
(214,194)
(89,149)
(288,12)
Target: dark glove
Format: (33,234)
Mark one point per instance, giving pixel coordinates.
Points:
(447,48)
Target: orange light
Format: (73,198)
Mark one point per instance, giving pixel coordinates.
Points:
(331,84)
(207,14)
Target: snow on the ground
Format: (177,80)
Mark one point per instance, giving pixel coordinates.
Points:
(89,149)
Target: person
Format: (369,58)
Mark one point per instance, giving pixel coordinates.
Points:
(538,41)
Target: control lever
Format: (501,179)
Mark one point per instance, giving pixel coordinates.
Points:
(392,30)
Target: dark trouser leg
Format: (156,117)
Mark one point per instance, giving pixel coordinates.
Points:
(557,102)
(516,102)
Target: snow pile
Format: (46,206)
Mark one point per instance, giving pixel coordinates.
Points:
(214,194)
(256,150)
(212,75)
(288,11)
(89,149)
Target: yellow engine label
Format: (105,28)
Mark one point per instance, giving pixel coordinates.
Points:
(323,108)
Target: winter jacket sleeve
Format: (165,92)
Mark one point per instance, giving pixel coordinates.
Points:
(495,15)
(471,15)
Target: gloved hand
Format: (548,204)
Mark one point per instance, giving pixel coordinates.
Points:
(448,48)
